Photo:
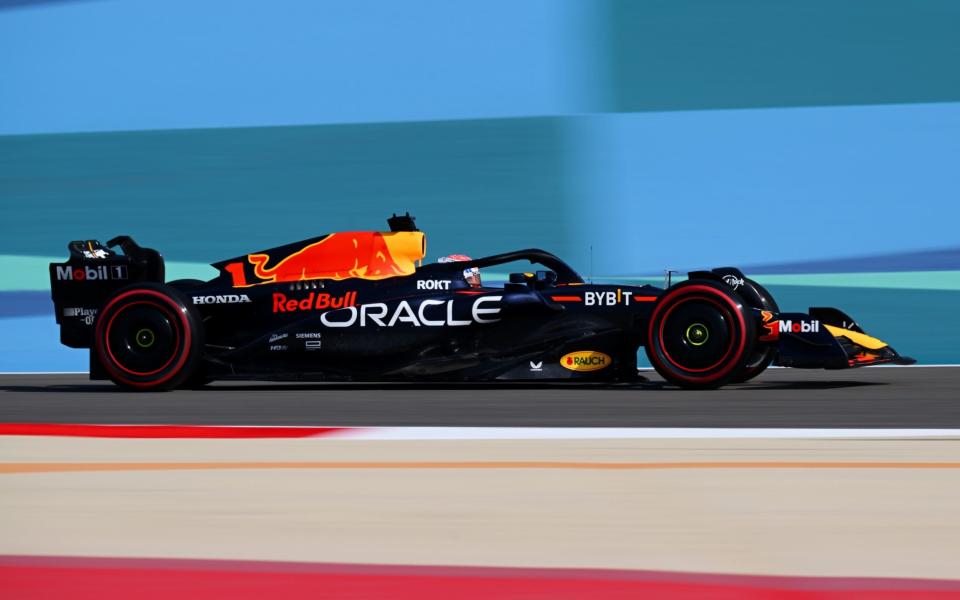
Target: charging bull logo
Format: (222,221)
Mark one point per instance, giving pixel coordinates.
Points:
(360,254)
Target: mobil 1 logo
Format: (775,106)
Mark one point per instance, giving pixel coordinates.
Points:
(85,273)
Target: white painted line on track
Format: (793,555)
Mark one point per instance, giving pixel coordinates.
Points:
(537,433)
(581,433)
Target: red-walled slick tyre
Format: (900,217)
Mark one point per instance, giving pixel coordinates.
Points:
(148,338)
(699,335)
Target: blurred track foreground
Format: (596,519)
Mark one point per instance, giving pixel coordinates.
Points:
(342,514)
(877,397)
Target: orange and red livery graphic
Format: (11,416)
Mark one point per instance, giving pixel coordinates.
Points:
(772,325)
(864,358)
(345,255)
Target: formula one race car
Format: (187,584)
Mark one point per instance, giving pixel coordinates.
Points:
(361,306)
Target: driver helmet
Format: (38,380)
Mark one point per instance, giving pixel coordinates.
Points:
(472,275)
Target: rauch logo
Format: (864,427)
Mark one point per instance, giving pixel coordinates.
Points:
(585,360)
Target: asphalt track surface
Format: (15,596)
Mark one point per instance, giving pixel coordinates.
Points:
(863,398)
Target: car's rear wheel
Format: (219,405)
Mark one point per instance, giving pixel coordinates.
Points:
(148,338)
(699,335)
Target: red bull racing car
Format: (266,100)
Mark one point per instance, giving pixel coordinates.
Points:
(362,306)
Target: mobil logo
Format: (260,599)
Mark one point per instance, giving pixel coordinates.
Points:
(801,326)
(98,273)
(585,360)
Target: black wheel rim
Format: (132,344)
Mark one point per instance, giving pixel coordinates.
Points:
(696,334)
(143,338)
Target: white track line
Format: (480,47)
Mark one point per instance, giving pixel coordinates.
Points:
(572,433)
(606,433)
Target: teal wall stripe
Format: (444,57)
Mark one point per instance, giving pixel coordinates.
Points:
(205,195)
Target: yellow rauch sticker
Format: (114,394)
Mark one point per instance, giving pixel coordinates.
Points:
(586,360)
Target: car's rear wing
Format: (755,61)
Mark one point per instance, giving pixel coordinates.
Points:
(93,272)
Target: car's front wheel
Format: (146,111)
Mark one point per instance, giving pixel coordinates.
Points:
(699,335)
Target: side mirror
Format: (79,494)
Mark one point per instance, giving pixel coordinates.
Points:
(546,278)
(536,281)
